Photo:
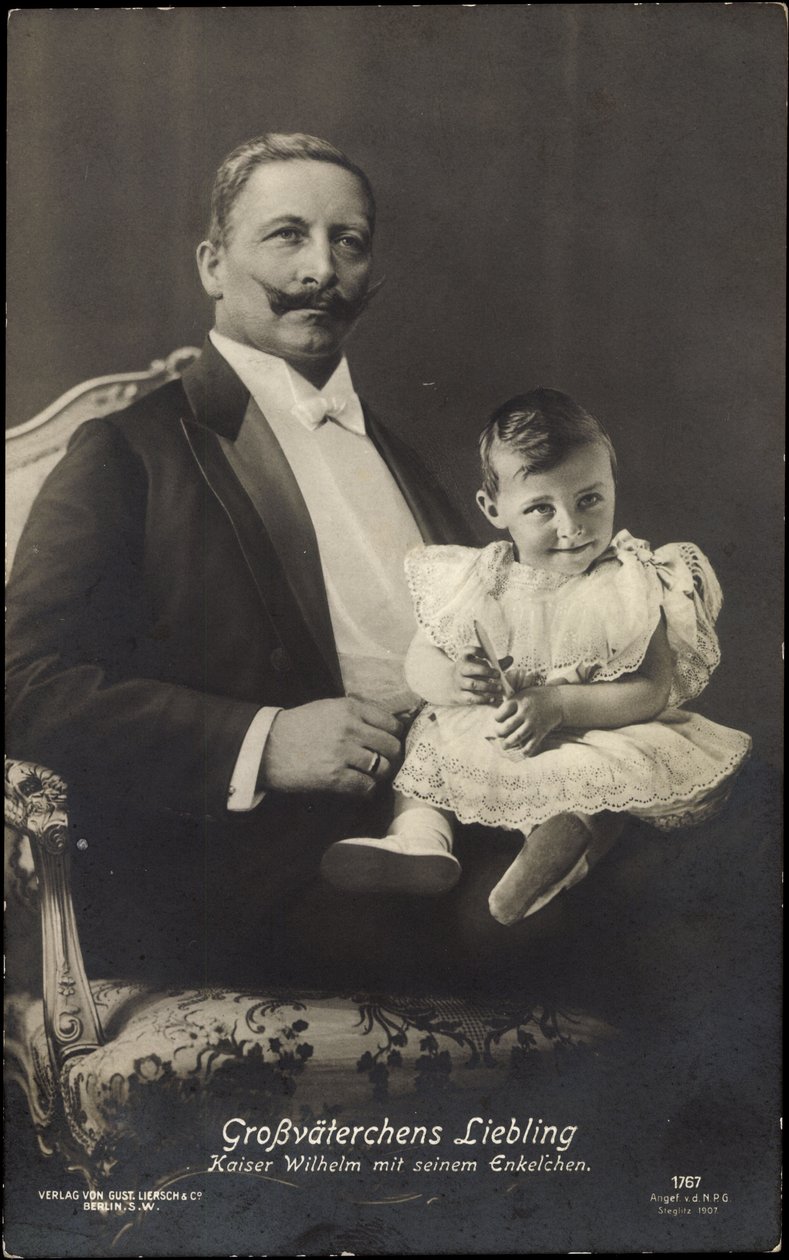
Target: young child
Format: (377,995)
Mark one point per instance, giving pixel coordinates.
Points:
(602,640)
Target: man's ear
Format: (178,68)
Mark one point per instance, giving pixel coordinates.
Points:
(209,264)
(489,510)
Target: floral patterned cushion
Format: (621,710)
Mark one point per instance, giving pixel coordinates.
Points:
(221,1053)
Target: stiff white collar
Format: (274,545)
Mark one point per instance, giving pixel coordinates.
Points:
(275,385)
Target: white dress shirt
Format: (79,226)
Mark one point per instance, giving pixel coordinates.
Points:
(363,527)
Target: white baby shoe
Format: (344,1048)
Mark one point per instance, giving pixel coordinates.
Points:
(420,866)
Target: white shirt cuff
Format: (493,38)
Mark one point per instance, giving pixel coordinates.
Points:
(241,795)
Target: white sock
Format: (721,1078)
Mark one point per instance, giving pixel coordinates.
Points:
(423,825)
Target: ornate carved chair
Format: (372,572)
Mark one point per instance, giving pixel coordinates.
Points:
(124,1083)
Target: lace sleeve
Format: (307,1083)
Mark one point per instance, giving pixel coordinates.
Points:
(449,589)
(678,579)
(692,601)
(632,615)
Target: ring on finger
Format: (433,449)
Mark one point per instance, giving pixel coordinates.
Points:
(374,763)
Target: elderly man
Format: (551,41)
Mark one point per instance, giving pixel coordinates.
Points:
(208,610)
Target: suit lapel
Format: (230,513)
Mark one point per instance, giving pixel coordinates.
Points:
(259,463)
(256,487)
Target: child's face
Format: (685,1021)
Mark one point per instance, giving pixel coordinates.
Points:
(560,520)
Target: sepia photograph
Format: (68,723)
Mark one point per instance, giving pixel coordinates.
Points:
(394,590)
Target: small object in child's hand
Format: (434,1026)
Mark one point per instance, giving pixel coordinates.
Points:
(489,652)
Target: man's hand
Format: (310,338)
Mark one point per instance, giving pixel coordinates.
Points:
(344,746)
(525,720)
(473,680)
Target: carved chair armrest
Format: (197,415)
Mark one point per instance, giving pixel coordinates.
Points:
(35,807)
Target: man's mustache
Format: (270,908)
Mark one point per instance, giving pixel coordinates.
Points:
(326,299)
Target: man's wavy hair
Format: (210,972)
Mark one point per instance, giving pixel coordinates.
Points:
(237,167)
(542,427)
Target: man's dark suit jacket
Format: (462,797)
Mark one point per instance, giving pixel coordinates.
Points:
(152,610)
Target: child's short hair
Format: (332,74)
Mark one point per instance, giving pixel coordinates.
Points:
(543,426)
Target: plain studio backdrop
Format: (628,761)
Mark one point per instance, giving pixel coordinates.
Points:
(583,196)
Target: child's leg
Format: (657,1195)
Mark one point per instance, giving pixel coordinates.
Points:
(556,855)
(415,857)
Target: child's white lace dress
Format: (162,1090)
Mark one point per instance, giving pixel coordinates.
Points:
(593,627)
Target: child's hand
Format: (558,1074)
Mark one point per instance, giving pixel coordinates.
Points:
(525,720)
(473,680)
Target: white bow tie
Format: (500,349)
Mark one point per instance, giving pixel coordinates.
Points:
(313,412)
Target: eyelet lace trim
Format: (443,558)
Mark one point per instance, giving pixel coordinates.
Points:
(513,573)
(678,795)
